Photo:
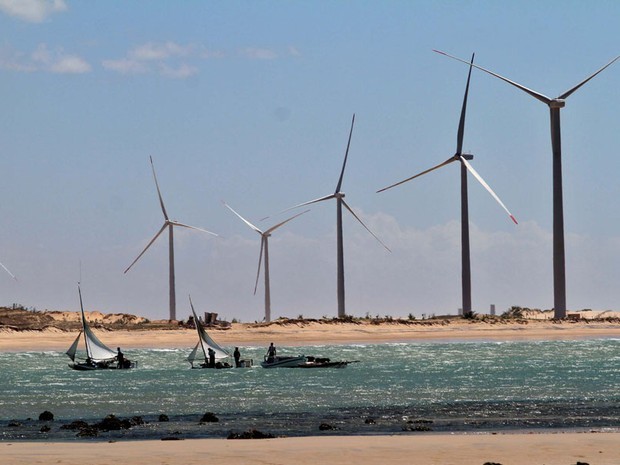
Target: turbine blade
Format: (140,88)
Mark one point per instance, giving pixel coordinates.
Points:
(570,91)
(260,260)
(12,275)
(346,155)
(486,186)
(461,131)
(242,218)
(147,246)
(320,199)
(447,162)
(273,228)
(533,93)
(161,200)
(362,223)
(176,223)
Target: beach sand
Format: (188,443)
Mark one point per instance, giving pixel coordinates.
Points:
(549,448)
(311,333)
(505,449)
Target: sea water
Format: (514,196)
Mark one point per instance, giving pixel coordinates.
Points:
(391,388)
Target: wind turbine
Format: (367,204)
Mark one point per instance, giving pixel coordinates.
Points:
(339,196)
(168,224)
(264,251)
(7,270)
(555,105)
(465,167)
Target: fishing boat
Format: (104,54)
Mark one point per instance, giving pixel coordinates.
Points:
(318,362)
(283,361)
(207,345)
(98,355)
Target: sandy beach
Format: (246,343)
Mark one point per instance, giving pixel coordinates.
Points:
(505,449)
(310,333)
(549,448)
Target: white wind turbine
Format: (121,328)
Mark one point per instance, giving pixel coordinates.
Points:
(465,167)
(7,270)
(264,252)
(339,196)
(168,224)
(555,105)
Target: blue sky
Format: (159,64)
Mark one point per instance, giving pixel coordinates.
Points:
(250,102)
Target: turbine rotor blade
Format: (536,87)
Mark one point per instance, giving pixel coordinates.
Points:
(320,199)
(147,246)
(176,223)
(346,155)
(486,186)
(570,91)
(447,162)
(243,219)
(273,228)
(533,93)
(461,131)
(366,227)
(12,275)
(161,200)
(260,260)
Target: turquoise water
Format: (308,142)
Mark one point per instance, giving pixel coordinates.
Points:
(451,386)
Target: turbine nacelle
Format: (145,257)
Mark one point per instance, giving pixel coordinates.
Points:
(557,103)
(463,156)
(339,195)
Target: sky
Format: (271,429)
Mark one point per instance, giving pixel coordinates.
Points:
(251,103)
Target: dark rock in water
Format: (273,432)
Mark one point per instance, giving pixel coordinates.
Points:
(327,427)
(171,438)
(45,429)
(163,417)
(46,416)
(417,427)
(77,424)
(582,463)
(370,421)
(492,463)
(14,424)
(88,432)
(112,423)
(136,421)
(209,417)
(250,434)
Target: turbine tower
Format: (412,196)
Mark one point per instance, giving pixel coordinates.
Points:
(339,196)
(168,224)
(555,105)
(465,167)
(264,252)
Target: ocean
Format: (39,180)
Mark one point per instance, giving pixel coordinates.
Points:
(393,388)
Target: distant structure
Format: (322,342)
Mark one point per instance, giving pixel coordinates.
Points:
(339,196)
(465,167)
(492,310)
(555,105)
(168,224)
(264,252)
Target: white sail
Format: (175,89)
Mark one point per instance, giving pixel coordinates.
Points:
(192,356)
(73,349)
(95,349)
(205,340)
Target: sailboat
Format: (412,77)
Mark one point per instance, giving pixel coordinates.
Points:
(206,346)
(98,355)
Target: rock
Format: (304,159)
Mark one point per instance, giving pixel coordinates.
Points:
(77,424)
(171,438)
(136,421)
(492,463)
(582,463)
(45,429)
(14,424)
(370,421)
(163,417)
(209,417)
(88,432)
(327,427)
(46,416)
(250,434)
(112,423)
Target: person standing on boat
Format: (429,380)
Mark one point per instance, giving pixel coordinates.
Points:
(211,358)
(120,358)
(271,352)
(237,356)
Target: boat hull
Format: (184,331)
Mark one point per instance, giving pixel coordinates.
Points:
(99,366)
(284,362)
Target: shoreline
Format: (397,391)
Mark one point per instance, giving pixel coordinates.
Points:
(600,448)
(317,333)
